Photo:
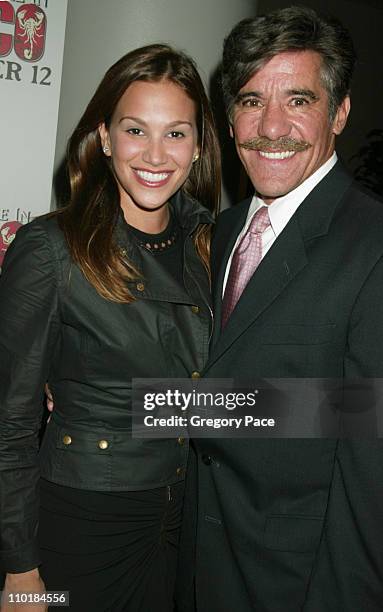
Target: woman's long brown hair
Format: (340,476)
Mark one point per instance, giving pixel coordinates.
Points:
(90,217)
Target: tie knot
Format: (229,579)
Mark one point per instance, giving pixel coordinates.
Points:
(260,222)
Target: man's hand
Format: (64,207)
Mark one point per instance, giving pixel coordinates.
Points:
(26,582)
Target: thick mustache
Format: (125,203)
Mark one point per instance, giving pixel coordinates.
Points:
(284,144)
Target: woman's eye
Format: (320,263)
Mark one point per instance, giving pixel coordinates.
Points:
(175,134)
(135,131)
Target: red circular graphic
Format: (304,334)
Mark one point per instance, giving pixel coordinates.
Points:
(30,30)
(7,234)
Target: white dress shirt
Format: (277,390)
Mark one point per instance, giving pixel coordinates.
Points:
(281,210)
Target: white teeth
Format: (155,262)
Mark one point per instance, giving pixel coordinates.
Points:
(276,154)
(152,178)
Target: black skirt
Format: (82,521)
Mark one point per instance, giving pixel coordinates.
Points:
(113,551)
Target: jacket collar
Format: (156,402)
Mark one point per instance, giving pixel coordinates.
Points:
(317,210)
(156,283)
(188,212)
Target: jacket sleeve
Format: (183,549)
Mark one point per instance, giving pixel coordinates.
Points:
(349,569)
(28,332)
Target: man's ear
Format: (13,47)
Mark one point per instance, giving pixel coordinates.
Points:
(341,116)
(105,140)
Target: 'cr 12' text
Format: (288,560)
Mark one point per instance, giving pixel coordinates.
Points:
(13,71)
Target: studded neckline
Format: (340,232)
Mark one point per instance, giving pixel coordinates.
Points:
(156,243)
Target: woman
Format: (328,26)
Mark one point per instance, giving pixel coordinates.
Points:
(113,286)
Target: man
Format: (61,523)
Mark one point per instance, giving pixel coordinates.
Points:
(286,525)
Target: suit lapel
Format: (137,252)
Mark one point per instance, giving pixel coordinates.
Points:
(286,258)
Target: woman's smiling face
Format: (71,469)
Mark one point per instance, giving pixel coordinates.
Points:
(151,140)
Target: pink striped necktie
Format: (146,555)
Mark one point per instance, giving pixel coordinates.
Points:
(246,258)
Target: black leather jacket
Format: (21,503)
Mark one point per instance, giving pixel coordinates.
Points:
(54,325)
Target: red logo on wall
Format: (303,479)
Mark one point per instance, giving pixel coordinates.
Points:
(30,28)
(7,234)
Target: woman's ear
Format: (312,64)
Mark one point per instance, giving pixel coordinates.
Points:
(196,154)
(105,140)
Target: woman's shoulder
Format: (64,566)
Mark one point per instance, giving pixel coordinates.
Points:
(45,224)
(39,243)
(43,230)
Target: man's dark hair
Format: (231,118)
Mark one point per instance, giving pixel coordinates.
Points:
(254,41)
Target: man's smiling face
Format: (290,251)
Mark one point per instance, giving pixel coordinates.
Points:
(281,123)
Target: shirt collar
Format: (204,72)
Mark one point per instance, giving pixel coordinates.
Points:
(283,208)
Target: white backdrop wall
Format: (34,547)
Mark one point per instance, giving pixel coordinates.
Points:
(31,52)
(99,32)
(37,74)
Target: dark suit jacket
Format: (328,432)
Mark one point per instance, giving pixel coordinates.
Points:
(297,524)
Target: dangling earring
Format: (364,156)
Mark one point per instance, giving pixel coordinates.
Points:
(105,148)
(196,157)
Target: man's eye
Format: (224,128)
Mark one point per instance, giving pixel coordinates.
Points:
(135,131)
(175,134)
(299,102)
(251,102)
